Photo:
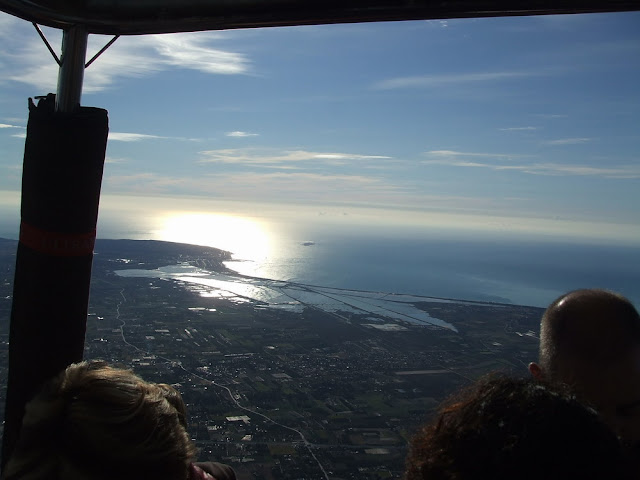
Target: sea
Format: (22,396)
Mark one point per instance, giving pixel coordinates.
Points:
(464,265)
(505,271)
(453,264)
(497,271)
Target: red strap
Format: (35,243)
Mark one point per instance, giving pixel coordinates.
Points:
(57,244)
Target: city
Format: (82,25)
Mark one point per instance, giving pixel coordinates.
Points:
(281,394)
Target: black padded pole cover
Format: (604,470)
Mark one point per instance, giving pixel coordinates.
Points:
(62,173)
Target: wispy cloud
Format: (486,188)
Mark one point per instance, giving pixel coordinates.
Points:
(424,81)
(456,159)
(568,141)
(14,166)
(254,186)
(468,163)
(20,135)
(518,129)
(238,133)
(193,51)
(115,160)
(5,125)
(347,156)
(551,115)
(131,137)
(275,157)
(304,188)
(148,182)
(137,137)
(455,154)
(614,171)
(28,61)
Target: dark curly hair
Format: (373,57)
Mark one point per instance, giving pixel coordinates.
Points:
(506,428)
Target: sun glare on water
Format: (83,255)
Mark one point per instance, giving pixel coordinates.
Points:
(245,238)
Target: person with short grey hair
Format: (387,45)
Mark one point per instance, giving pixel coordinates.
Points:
(590,341)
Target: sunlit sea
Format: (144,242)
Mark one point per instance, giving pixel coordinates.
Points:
(519,272)
(419,261)
(455,265)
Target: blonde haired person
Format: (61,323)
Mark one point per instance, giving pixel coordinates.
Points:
(96,422)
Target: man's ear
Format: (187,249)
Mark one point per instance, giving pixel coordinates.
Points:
(535,370)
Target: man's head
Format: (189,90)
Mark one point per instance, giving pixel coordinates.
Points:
(590,340)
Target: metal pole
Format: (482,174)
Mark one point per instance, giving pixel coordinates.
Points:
(61,179)
(71,73)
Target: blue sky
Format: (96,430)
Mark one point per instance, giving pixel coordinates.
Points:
(525,124)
